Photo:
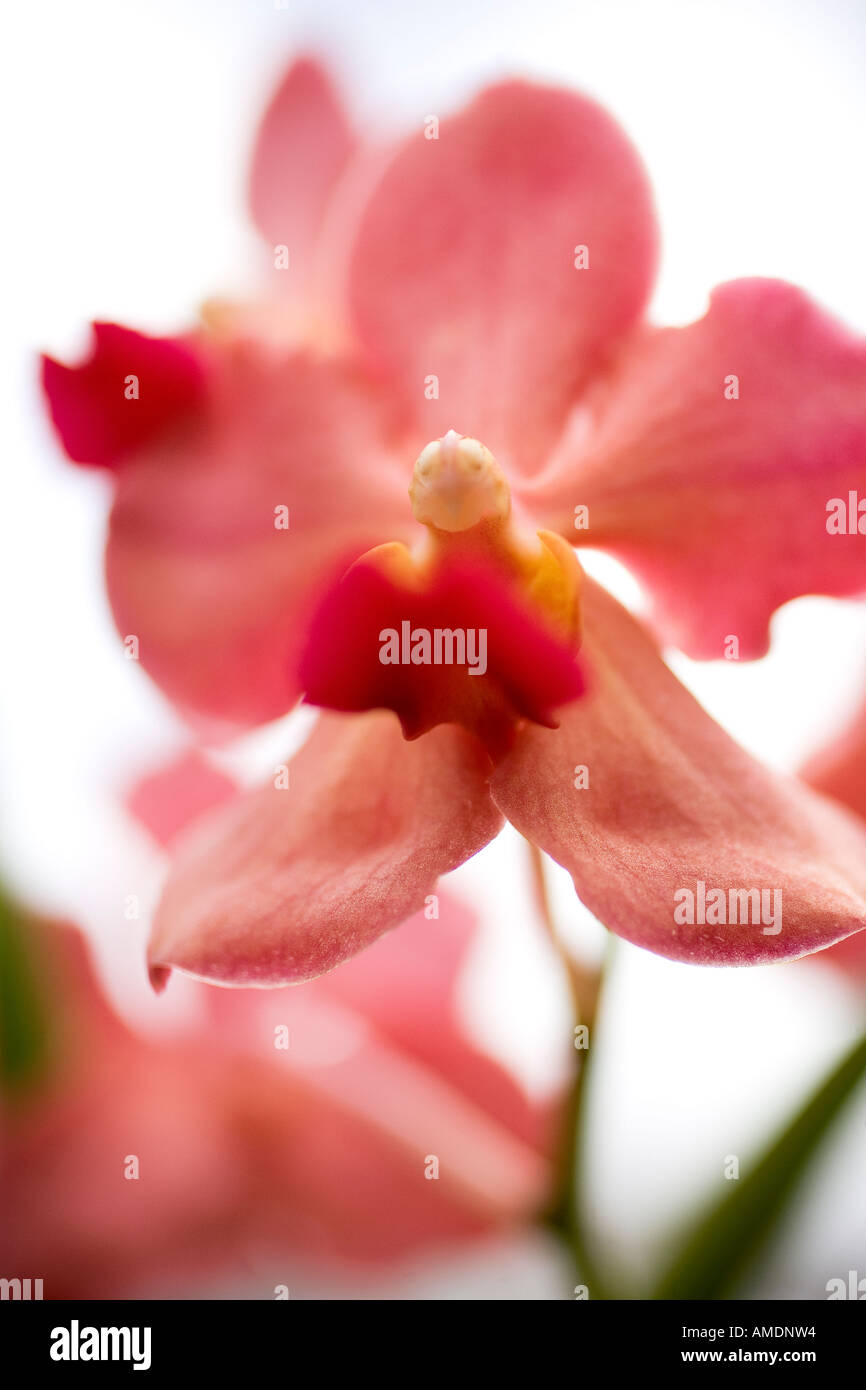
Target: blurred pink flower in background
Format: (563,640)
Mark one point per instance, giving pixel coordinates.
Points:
(282,1126)
(838,770)
(509,261)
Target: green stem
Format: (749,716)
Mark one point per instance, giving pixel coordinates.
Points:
(564,1215)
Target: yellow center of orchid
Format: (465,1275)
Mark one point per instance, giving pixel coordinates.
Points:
(459,492)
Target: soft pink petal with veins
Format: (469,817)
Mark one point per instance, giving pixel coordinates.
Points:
(720,505)
(289,882)
(303,146)
(216,592)
(464,268)
(673,801)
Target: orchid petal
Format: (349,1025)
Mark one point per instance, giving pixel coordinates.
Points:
(708,460)
(303,145)
(645,800)
(465,278)
(301,874)
(168,800)
(217,547)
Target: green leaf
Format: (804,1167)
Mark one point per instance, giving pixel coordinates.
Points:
(25,1032)
(728,1239)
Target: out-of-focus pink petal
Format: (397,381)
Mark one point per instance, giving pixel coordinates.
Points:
(464,279)
(244,1148)
(672,803)
(839,768)
(303,145)
(374,1126)
(380,1050)
(718,503)
(72,1212)
(130,391)
(216,548)
(405,986)
(168,800)
(526,669)
(290,881)
(848,956)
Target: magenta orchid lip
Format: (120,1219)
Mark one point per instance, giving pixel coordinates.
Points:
(438,646)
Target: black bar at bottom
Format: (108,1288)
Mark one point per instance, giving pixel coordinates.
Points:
(251,1338)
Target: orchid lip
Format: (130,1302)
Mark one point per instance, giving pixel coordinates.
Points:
(477,625)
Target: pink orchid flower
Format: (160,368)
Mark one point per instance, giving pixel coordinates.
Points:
(491,279)
(137,1163)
